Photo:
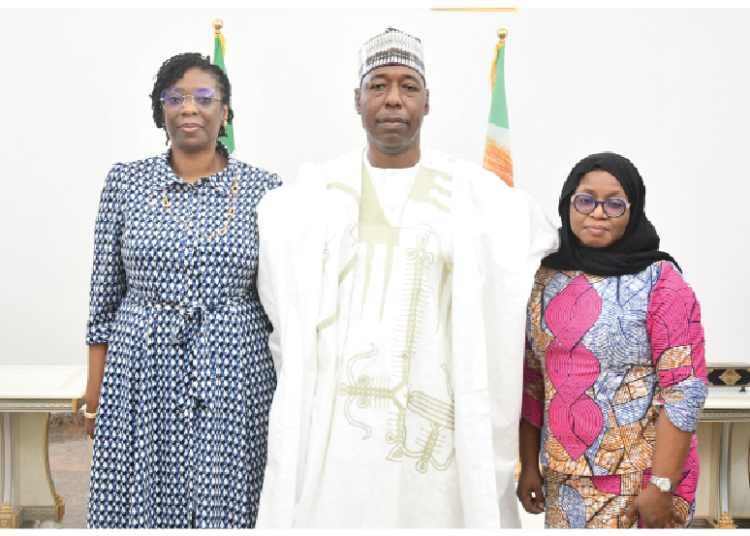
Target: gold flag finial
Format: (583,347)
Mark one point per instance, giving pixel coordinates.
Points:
(218,25)
(502,33)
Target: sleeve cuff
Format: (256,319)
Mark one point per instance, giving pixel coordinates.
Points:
(683,405)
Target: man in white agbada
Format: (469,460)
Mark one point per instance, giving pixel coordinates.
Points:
(396,281)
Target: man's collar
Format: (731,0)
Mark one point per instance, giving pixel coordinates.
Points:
(372,168)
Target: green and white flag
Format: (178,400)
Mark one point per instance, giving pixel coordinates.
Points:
(497,151)
(219,51)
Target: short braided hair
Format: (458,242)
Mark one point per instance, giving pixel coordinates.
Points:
(174,68)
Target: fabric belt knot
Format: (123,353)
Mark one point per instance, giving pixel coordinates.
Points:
(189,313)
(188,329)
(196,375)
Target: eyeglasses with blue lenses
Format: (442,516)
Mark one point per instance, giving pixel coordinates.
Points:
(614,207)
(174,98)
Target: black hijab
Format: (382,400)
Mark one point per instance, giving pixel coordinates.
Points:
(638,247)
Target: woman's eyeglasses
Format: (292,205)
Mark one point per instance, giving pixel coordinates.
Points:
(614,207)
(174,98)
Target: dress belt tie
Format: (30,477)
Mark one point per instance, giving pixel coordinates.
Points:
(187,314)
(189,323)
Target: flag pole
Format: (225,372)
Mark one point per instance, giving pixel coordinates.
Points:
(218,24)
(502,34)
(219,54)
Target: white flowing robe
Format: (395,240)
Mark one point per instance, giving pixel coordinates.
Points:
(398,348)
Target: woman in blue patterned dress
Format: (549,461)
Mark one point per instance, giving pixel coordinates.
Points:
(180,376)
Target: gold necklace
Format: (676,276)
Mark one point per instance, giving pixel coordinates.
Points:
(221,232)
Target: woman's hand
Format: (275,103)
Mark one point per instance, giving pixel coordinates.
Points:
(529,490)
(92,406)
(97,358)
(670,452)
(90,426)
(655,509)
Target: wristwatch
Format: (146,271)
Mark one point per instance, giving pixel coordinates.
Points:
(664,484)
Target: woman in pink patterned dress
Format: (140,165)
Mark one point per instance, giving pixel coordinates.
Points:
(614,375)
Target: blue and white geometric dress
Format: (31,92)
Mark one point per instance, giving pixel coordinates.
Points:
(188,381)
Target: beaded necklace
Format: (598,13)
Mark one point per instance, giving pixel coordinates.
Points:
(229,215)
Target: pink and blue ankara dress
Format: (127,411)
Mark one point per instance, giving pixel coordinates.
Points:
(603,354)
(188,380)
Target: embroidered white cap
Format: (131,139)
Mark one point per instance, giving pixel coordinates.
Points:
(392,47)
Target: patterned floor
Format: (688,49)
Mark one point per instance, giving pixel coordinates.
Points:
(70,465)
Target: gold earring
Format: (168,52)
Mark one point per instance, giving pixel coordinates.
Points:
(223,122)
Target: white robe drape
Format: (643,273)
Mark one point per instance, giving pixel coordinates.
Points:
(498,236)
